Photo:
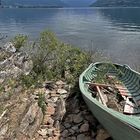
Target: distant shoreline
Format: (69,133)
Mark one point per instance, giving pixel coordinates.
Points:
(47,7)
(31,7)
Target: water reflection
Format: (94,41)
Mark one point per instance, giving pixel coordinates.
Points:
(125,18)
(114,31)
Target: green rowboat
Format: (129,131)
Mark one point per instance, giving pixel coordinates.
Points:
(121,125)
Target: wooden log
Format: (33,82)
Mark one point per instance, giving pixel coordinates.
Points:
(105,85)
(101,96)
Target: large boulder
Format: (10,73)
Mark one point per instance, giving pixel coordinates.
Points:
(15,65)
(30,122)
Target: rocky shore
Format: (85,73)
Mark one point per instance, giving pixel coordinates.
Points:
(54,110)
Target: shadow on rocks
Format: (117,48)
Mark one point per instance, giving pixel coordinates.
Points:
(78,122)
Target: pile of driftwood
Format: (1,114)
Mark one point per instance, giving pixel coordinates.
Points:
(114,94)
(108,95)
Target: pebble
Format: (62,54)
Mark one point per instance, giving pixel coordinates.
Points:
(71,138)
(77,118)
(65,133)
(60,83)
(84,127)
(50,110)
(67,125)
(62,91)
(102,134)
(83,137)
(42,132)
(50,132)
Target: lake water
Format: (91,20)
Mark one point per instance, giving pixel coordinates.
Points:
(115,31)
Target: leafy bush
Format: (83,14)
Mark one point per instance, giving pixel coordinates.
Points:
(41,102)
(53,59)
(19,41)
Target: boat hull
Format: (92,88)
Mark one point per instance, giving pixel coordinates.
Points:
(116,128)
(120,126)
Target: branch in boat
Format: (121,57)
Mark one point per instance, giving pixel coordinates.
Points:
(103,100)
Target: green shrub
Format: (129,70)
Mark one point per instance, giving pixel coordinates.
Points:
(19,41)
(53,58)
(41,102)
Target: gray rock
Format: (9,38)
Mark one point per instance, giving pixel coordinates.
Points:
(60,83)
(62,91)
(75,128)
(27,67)
(71,131)
(3,131)
(30,122)
(15,65)
(50,132)
(9,47)
(77,118)
(65,133)
(42,132)
(71,138)
(60,109)
(67,125)
(81,137)
(84,127)
(102,134)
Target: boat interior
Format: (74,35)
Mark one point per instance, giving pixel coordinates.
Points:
(115,86)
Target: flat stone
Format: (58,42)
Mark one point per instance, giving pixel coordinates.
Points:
(30,122)
(71,131)
(50,132)
(84,127)
(9,47)
(77,118)
(62,128)
(3,130)
(53,92)
(90,119)
(76,111)
(48,120)
(83,137)
(69,118)
(62,91)
(60,82)
(71,138)
(55,99)
(47,91)
(65,133)
(75,128)
(50,110)
(42,132)
(67,125)
(102,134)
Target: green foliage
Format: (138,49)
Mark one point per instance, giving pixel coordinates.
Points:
(101,74)
(27,80)
(54,58)
(19,41)
(41,102)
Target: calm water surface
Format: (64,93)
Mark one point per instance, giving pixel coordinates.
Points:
(115,31)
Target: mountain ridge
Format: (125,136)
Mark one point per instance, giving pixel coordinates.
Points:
(32,3)
(116,3)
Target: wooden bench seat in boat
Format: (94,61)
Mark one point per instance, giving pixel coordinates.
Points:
(130,107)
